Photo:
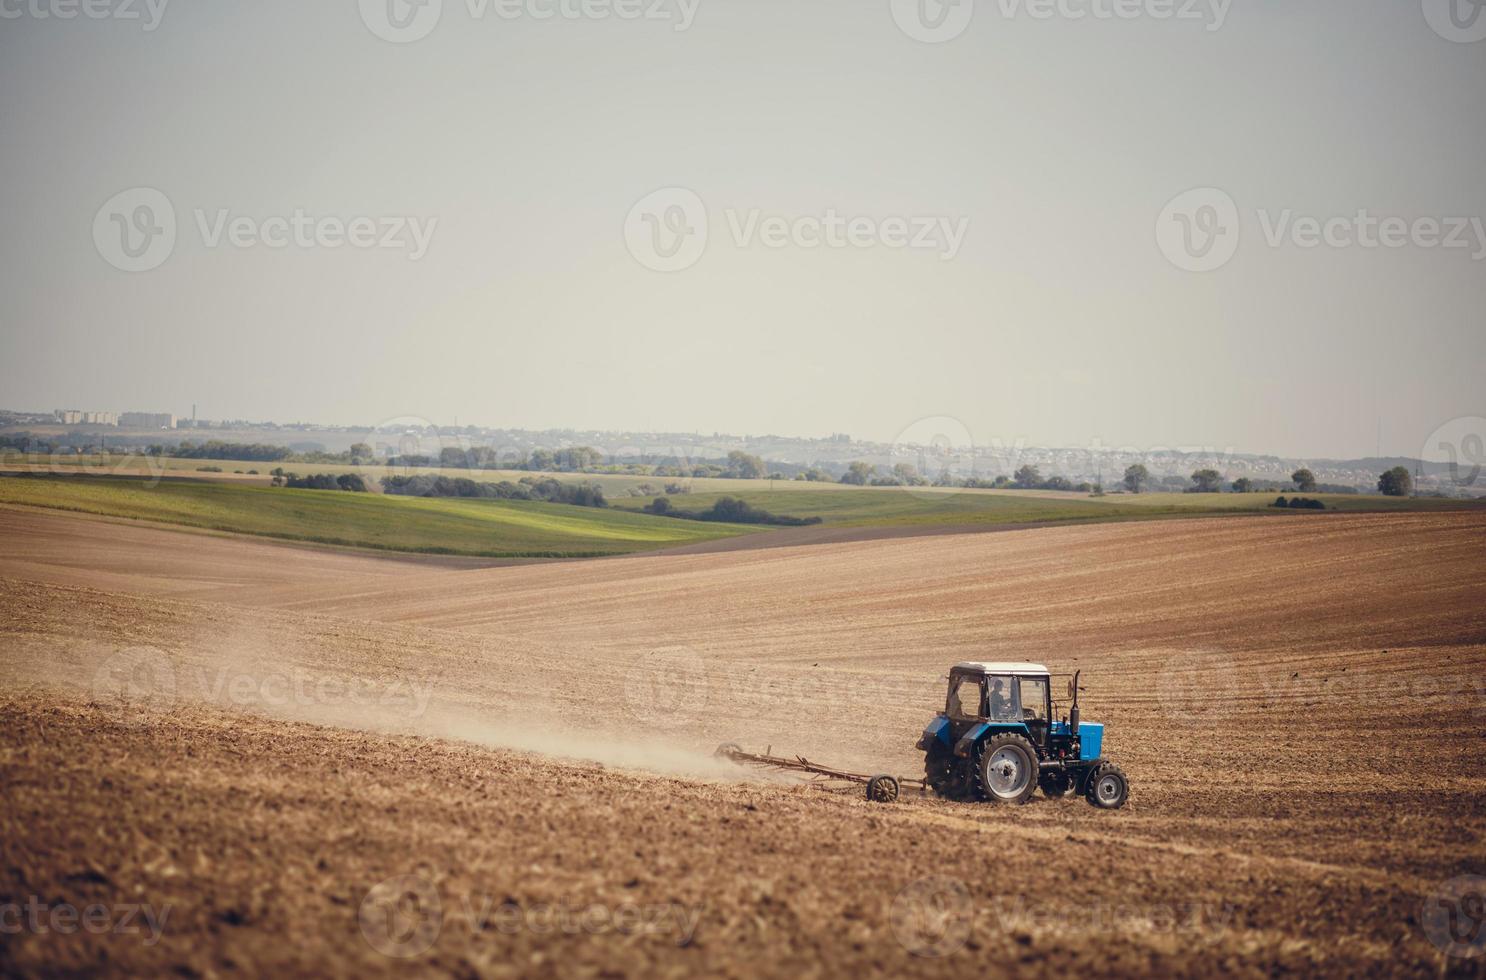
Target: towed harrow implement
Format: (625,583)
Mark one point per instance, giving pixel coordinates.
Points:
(880,787)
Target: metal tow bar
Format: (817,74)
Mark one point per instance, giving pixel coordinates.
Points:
(881,788)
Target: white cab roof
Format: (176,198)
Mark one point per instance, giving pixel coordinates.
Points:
(1007,667)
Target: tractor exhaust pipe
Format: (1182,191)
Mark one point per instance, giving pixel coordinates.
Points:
(1073,711)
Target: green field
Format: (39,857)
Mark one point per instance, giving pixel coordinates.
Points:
(486,528)
(531,529)
(895,506)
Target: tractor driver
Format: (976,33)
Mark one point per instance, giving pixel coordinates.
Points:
(1001,708)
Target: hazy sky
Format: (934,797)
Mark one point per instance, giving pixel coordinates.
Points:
(521,144)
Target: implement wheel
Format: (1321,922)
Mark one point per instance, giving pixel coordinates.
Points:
(882,789)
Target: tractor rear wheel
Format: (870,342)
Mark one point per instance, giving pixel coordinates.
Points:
(941,776)
(1007,769)
(1108,789)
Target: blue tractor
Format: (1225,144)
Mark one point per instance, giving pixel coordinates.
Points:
(998,740)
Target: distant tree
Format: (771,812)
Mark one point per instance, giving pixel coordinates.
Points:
(744,466)
(858,473)
(541,460)
(1207,481)
(1027,477)
(907,474)
(576,459)
(360,453)
(660,506)
(1056,483)
(1396,483)
(1304,480)
(1136,476)
(1243,485)
(817,475)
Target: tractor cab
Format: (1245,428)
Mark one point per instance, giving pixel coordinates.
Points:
(1000,737)
(1014,694)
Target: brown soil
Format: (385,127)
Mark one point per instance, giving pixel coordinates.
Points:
(256,735)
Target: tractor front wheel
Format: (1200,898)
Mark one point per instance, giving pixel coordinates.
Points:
(1108,789)
(1007,769)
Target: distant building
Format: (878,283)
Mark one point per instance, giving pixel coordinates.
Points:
(147,420)
(71,416)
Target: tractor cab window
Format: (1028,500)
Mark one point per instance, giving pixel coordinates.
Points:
(964,697)
(1003,699)
(1034,698)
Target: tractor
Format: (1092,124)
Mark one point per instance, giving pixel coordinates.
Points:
(999,740)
